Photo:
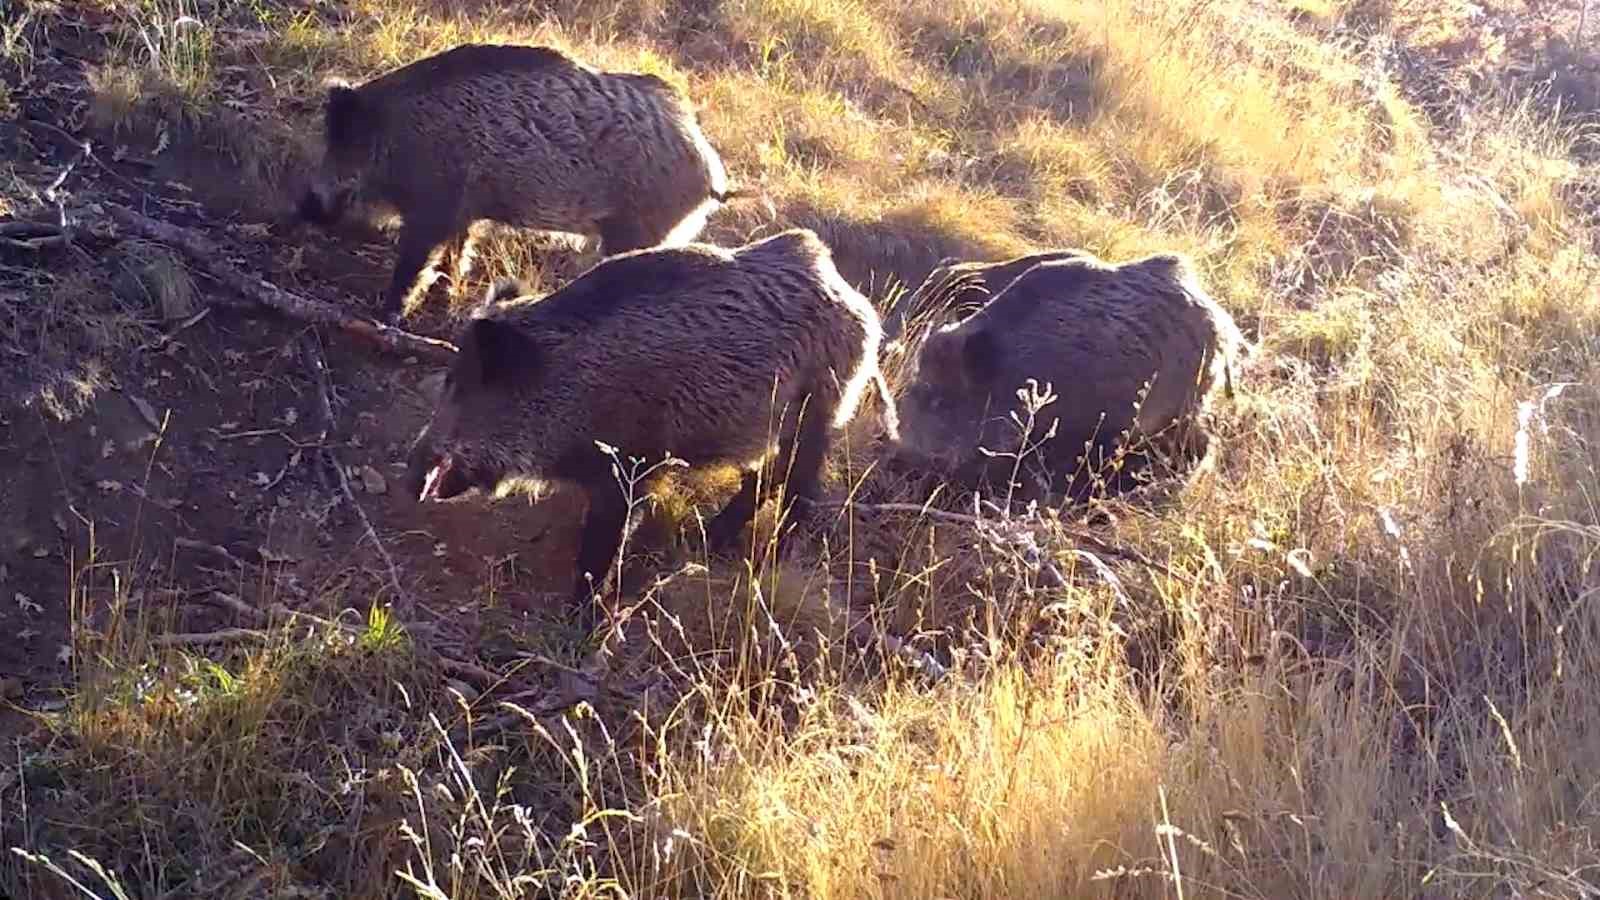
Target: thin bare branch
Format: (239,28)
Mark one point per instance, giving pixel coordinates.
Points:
(211,259)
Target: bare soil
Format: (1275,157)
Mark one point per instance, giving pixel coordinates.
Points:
(123,452)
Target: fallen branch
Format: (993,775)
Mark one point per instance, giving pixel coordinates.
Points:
(208,638)
(325,407)
(22,229)
(214,549)
(167,336)
(460,668)
(211,259)
(237,605)
(36,244)
(264,616)
(469,670)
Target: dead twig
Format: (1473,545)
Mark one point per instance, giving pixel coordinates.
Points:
(264,615)
(85,151)
(235,604)
(214,549)
(210,638)
(460,668)
(33,236)
(211,259)
(469,670)
(167,336)
(319,368)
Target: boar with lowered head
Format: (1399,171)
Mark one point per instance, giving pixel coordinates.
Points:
(700,352)
(1132,351)
(524,136)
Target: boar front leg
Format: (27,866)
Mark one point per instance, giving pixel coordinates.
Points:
(421,239)
(601,540)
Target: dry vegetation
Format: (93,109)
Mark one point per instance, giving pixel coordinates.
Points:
(1356,661)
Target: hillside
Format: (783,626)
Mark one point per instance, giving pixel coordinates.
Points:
(1352,660)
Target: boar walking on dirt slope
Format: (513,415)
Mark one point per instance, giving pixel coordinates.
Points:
(698,351)
(524,136)
(1134,353)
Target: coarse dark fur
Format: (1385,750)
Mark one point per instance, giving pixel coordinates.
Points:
(698,351)
(1097,333)
(954,286)
(524,136)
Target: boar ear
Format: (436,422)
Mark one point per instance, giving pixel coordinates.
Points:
(349,118)
(491,353)
(980,355)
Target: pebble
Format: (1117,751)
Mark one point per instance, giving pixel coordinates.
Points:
(374,481)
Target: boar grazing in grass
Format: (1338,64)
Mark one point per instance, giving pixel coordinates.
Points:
(698,351)
(1133,352)
(524,136)
(956,287)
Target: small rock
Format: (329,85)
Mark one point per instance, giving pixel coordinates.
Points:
(374,480)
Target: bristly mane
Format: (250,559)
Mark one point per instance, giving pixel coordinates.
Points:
(472,60)
(598,293)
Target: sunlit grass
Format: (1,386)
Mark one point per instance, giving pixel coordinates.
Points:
(1358,663)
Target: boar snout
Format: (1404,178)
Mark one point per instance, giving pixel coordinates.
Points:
(432,474)
(320,206)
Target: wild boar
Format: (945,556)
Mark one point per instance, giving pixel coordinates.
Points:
(954,286)
(1099,334)
(524,136)
(694,351)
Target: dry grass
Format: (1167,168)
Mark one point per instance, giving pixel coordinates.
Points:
(1364,667)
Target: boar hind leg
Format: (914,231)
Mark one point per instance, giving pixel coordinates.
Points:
(801,452)
(602,538)
(802,465)
(724,528)
(421,239)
